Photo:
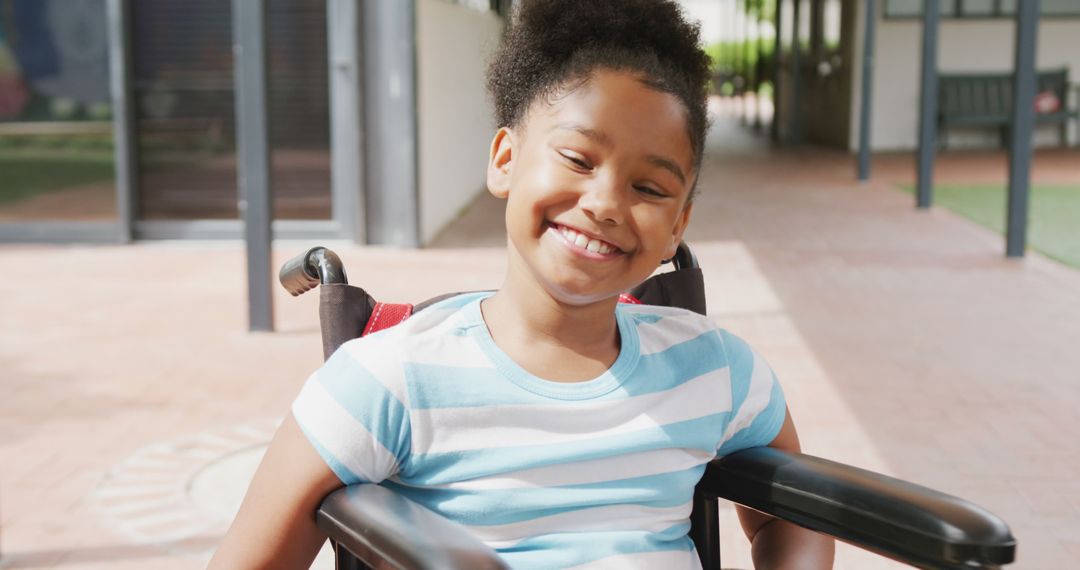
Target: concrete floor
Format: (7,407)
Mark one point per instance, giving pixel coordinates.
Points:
(906,342)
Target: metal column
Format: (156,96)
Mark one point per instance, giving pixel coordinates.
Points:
(1022,125)
(759,7)
(866,96)
(774,126)
(928,103)
(390,151)
(123,120)
(253,154)
(346,117)
(795,121)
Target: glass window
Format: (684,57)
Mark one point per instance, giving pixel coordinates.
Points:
(978,8)
(831,21)
(185,109)
(182,83)
(56,139)
(914,8)
(804,24)
(299,109)
(1058,7)
(787,19)
(481,5)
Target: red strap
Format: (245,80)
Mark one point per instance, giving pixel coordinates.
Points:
(387,315)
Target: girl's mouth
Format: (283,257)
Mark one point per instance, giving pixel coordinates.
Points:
(584,243)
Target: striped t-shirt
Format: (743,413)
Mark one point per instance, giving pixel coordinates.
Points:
(598,473)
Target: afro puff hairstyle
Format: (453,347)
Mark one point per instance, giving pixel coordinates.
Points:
(554,45)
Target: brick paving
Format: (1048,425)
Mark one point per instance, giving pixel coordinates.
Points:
(906,342)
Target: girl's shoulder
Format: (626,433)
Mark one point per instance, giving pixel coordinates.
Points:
(418,336)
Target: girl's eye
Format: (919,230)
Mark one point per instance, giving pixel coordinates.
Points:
(649,191)
(578,162)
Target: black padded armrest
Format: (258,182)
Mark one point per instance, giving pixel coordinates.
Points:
(387,530)
(895,518)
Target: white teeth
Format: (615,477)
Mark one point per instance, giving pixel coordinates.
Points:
(584,242)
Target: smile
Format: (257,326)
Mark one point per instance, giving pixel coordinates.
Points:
(584,243)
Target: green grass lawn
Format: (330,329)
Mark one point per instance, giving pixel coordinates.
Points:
(1053,222)
(25,174)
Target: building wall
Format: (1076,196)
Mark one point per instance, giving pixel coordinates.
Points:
(964,46)
(455,121)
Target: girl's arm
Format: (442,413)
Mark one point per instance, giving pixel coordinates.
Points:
(275,527)
(778,544)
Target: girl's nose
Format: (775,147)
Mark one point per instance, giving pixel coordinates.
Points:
(602,201)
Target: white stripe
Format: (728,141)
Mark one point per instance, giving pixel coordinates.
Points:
(441,430)
(626,466)
(380,356)
(668,560)
(757,399)
(342,435)
(673,330)
(384,356)
(446,350)
(654,310)
(607,518)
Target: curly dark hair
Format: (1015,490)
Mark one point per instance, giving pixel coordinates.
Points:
(554,45)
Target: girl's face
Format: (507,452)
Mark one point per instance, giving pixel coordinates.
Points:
(597,182)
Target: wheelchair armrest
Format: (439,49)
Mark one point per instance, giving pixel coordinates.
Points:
(380,527)
(897,519)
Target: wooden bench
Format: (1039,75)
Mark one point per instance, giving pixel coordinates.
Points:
(985,100)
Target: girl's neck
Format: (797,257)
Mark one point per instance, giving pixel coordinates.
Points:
(524,319)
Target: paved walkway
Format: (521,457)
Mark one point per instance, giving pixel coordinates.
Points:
(134,402)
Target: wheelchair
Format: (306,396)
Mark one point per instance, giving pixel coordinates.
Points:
(370,526)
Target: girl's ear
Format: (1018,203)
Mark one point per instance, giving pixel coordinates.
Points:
(677,232)
(500,163)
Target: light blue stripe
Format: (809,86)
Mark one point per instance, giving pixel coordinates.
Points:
(702,433)
(678,364)
(353,387)
(765,427)
(741,362)
(434,386)
(506,506)
(343,473)
(571,549)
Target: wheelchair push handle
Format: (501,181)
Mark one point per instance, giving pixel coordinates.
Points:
(307,270)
